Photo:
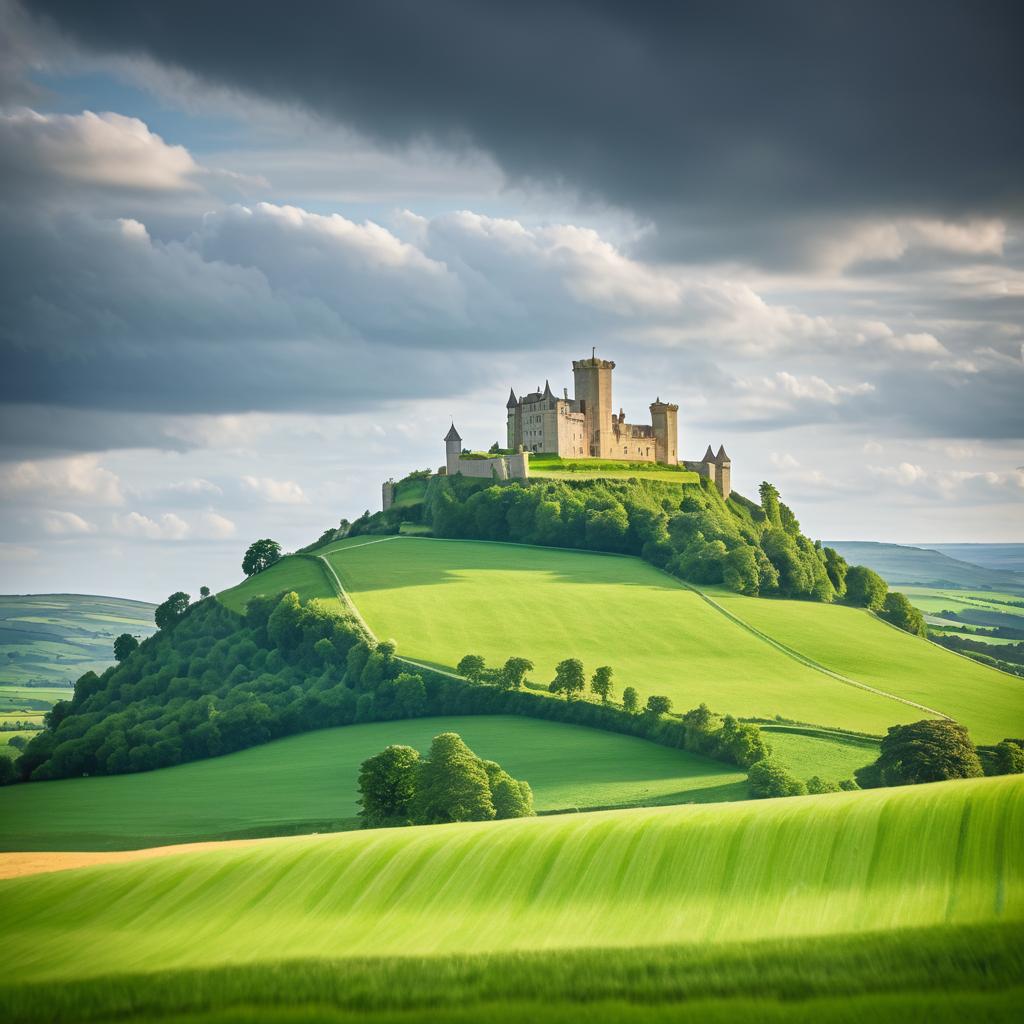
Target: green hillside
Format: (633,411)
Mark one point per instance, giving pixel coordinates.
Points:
(307,783)
(443,599)
(51,639)
(703,876)
(294,573)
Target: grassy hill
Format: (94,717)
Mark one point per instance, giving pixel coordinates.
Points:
(443,599)
(51,639)
(308,783)
(903,565)
(553,467)
(694,880)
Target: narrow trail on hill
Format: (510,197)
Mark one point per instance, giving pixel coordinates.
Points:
(806,661)
(782,648)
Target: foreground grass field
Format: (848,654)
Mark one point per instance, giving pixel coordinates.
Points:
(54,638)
(443,599)
(308,783)
(830,868)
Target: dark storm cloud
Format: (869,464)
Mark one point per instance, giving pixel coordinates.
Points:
(736,113)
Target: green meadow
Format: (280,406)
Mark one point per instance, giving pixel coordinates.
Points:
(308,783)
(51,639)
(551,466)
(442,599)
(855,643)
(828,868)
(303,575)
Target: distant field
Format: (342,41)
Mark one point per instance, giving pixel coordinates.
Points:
(443,599)
(308,783)
(52,639)
(853,642)
(979,608)
(701,877)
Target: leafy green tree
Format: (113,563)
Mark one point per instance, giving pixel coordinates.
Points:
(284,625)
(837,568)
(204,591)
(1009,759)
(8,774)
(513,673)
(387,786)
(451,784)
(927,751)
(658,706)
(768,778)
(124,645)
(740,571)
(601,683)
(898,610)
(816,785)
(630,700)
(741,743)
(171,611)
(512,798)
(473,667)
(410,695)
(569,678)
(260,555)
(770,504)
(865,588)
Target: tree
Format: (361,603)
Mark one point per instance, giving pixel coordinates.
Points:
(836,567)
(768,778)
(451,785)
(898,610)
(601,683)
(260,555)
(927,751)
(512,798)
(514,672)
(204,591)
(817,785)
(1009,758)
(171,611)
(387,786)
(657,706)
(569,678)
(740,572)
(473,667)
(630,700)
(865,588)
(124,645)
(7,771)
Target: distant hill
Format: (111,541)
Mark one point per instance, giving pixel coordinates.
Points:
(990,556)
(923,567)
(51,639)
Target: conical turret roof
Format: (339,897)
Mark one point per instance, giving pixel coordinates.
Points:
(721,456)
(547,389)
(512,400)
(453,434)
(709,455)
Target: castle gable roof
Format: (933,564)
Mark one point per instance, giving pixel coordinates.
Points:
(452,435)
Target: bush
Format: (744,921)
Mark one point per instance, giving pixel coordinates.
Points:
(898,610)
(865,588)
(926,751)
(768,778)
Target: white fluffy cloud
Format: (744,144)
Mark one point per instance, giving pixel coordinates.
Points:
(137,526)
(275,492)
(79,477)
(66,523)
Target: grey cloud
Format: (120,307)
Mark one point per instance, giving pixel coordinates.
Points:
(728,118)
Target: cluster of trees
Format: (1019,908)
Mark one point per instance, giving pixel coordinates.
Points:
(399,787)
(865,588)
(17,725)
(934,750)
(1006,657)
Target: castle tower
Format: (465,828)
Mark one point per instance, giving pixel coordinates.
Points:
(593,379)
(515,422)
(452,450)
(711,467)
(724,464)
(665,421)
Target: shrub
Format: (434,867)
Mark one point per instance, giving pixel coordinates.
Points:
(925,751)
(865,588)
(898,610)
(768,778)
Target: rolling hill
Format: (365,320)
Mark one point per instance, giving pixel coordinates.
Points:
(812,875)
(307,783)
(903,565)
(826,665)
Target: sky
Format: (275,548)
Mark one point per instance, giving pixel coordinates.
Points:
(255,258)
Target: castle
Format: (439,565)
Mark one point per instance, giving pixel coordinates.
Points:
(582,427)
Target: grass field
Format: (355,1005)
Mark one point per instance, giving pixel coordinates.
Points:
(443,599)
(831,758)
(855,643)
(307,783)
(54,638)
(552,466)
(977,609)
(827,867)
(303,575)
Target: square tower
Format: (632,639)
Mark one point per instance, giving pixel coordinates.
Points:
(664,420)
(593,383)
